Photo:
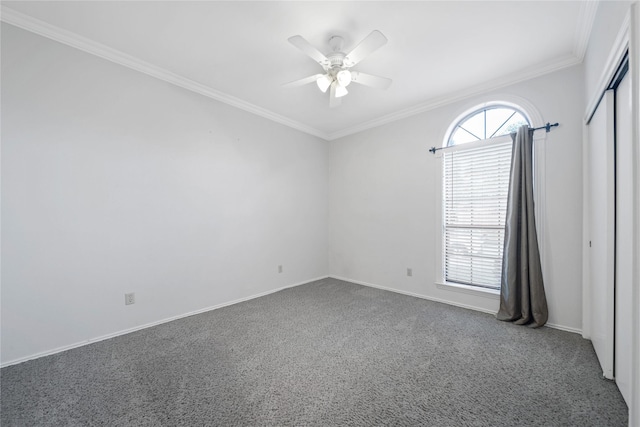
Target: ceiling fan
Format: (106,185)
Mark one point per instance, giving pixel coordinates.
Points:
(336,64)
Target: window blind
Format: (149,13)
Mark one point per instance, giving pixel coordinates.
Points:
(476,183)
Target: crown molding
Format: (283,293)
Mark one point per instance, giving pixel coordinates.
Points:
(77,41)
(432,104)
(26,22)
(587,16)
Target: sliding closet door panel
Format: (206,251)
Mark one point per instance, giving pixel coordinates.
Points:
(624,238)
(601,231)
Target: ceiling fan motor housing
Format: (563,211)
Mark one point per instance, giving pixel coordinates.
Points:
(336,60)
(337,57)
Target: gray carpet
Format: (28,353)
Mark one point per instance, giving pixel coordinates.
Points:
(328,353)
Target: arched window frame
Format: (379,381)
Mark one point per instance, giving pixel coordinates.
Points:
(535,120)
(483,110)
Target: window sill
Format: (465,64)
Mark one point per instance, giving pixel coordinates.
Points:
(471,290)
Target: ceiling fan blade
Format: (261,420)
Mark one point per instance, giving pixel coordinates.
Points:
(302,82)
(306,47)
(370,80)
(334,101)
(370,43)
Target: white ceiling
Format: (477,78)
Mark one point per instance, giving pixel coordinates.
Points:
(237,51)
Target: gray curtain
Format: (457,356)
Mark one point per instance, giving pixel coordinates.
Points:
(522,297)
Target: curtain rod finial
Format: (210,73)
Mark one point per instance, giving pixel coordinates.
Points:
(548,126)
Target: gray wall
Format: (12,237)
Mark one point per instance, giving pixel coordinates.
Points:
(385,200)
(114,182)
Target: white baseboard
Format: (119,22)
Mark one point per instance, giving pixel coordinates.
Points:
(564,328)
(469,307)
(226,304)
(413,294)
(151,324)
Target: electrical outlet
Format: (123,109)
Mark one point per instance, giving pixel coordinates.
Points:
(279,269)
(129,298)
(409,272)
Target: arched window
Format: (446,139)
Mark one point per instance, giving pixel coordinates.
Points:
(486,123)
(476,168)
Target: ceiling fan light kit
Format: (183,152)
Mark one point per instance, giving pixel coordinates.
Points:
(323,82)
(344,77)
(336,65)
(341,91)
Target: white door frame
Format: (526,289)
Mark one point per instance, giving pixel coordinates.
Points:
(634,69)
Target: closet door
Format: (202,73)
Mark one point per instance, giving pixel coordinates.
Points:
(601,230)
(624,239)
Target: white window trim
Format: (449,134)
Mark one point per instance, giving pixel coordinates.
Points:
(539,152)
(470,290)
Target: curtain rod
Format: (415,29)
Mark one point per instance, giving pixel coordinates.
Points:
(548,127)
